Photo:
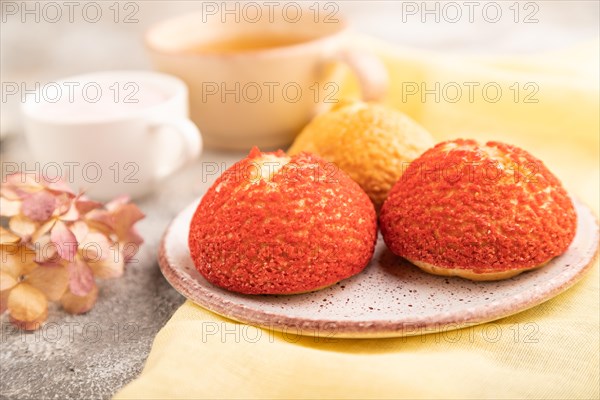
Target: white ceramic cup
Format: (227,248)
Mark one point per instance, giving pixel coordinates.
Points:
(112,133)
(250,97)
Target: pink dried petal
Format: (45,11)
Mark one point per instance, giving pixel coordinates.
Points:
(8,208)
(7,281)
(66,243)
(43,230)
(132,243)
(97,247)
(52,281)
(79,304)
(63,203)
(124,218)
(80,229)
(59,186)
(22,226)
(72,213)
(38,206)
(26,303)
(22,193)
(29,325)
(101,216)
(111,267)
(26,183)
(105,230)
(134,237)
(85,206)
(17,260)
(81,278)
(51,263)
(45,250)
(7,237)
(117,202)
(9,193)
(4,300)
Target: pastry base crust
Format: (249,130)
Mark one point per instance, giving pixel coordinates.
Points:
(470,274)
(306,291)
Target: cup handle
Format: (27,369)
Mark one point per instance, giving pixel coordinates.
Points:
(190,140)
(370,72)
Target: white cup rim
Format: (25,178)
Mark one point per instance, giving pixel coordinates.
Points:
(178,87)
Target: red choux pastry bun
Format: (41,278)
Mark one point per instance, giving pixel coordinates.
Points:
(273,224)
(481,212)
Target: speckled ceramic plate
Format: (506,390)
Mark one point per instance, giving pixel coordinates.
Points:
(389,298)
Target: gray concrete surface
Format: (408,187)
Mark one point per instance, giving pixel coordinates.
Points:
(91,356)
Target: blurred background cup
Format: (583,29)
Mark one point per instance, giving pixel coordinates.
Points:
(258,79)
(113,132)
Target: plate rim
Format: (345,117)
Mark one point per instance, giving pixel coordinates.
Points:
(442,322)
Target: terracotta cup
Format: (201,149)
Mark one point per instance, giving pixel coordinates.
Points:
(259,77)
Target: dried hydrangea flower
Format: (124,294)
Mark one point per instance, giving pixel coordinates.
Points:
(57,244)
